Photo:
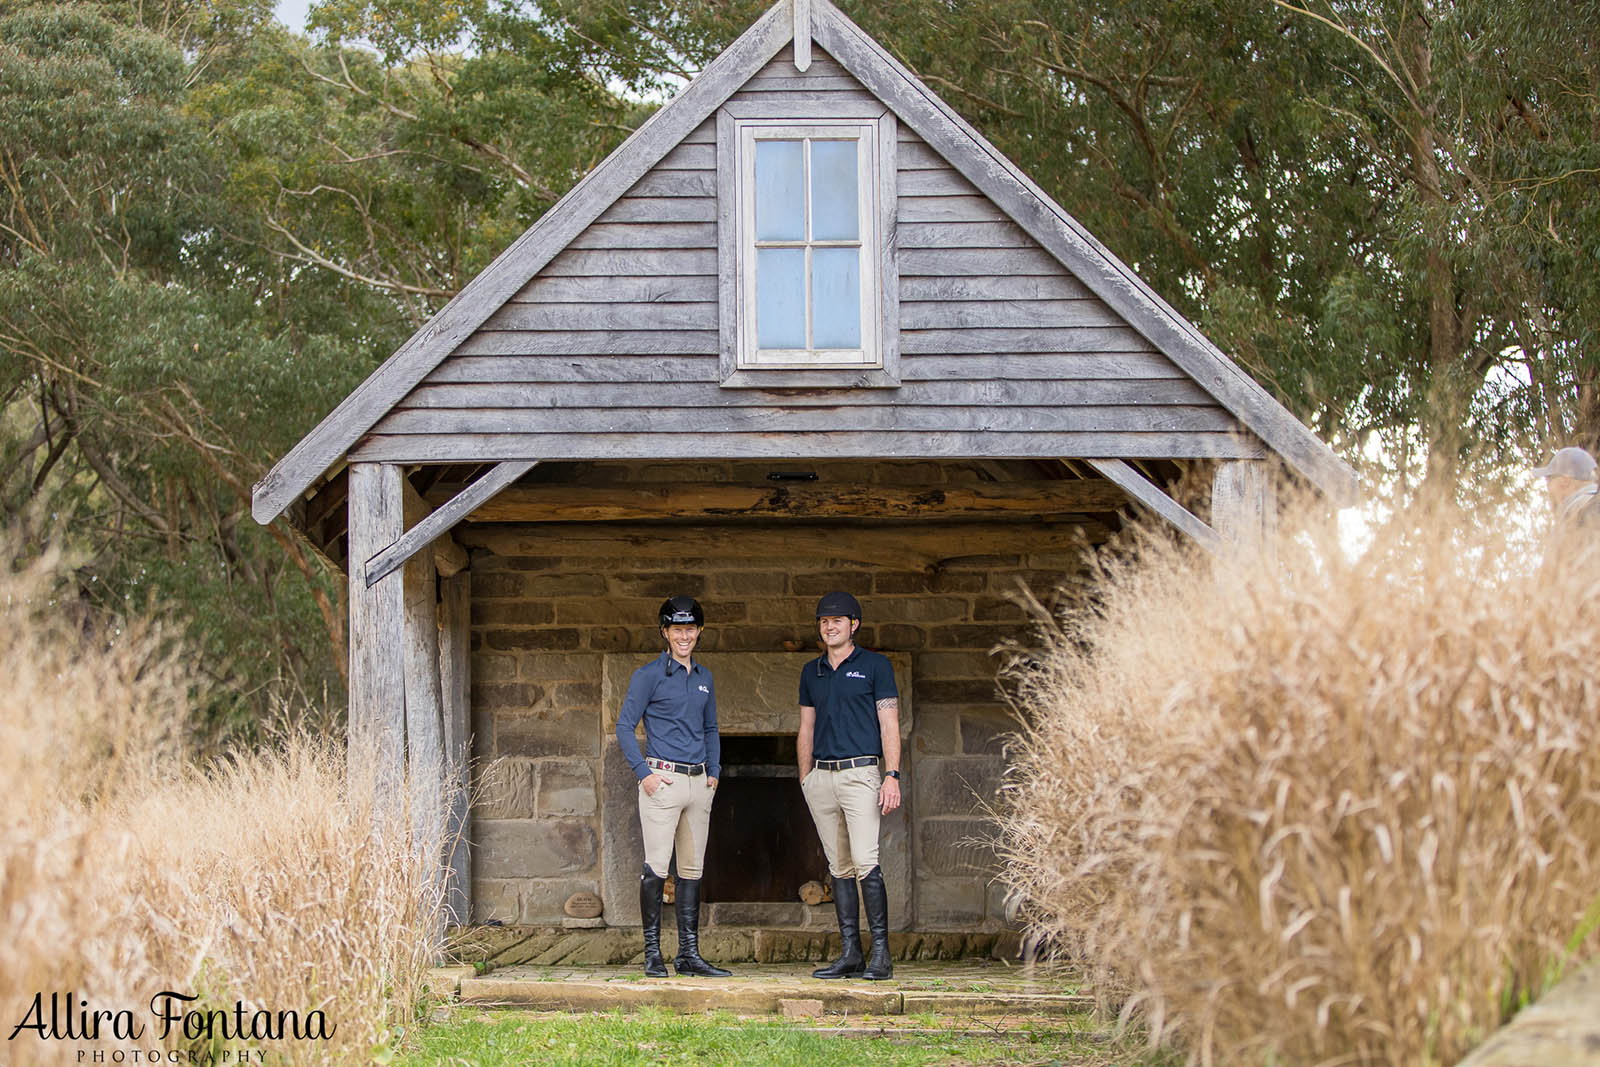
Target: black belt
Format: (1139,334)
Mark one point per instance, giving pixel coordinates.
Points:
(846,764)
(676,768)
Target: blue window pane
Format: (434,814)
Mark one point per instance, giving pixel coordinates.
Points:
(780,192)
(833,191)
(780,298)
(836,296)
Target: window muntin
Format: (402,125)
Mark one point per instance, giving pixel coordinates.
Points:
(807,244)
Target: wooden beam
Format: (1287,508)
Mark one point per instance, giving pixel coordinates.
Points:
(413,540)
(903,545)
(1151,496)
(376,755)
(455,683)
(798,500)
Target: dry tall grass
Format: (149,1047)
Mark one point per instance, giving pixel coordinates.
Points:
(1324,812)
(125,871)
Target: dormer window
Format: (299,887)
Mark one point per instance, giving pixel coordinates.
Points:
(804,252)
(807,268)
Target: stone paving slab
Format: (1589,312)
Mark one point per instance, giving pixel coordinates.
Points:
(1560,1029)
(967,988)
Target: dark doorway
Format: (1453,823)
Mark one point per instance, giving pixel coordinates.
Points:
(763,846)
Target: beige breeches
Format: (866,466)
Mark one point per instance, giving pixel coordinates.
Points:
(676,817)
(844,805)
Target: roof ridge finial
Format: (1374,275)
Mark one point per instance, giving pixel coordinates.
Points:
(802,34)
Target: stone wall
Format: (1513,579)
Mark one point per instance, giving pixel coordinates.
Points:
(546,627)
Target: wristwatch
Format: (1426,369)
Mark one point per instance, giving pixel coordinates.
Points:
(892,774)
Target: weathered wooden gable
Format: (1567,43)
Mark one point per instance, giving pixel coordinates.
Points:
(613,347)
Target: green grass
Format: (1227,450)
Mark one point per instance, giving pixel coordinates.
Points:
(485,1039)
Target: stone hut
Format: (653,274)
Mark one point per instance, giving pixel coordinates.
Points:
(805,329)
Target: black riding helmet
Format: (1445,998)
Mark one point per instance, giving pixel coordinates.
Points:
(681,611)
(839,603)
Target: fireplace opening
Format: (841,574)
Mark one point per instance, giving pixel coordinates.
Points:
(763,846)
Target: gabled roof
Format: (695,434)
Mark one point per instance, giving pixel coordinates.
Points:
(913,104)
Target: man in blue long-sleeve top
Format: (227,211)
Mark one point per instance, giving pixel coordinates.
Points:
(678,770)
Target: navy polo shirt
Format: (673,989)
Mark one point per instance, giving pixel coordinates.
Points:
(846,700)
(679,709)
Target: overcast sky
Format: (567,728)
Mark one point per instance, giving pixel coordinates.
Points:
(292,13)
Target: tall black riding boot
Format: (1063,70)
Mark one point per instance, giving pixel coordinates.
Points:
(650,886)
(875,899)
(846,906)
(688,905)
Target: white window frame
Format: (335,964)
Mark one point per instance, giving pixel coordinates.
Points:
(743,364)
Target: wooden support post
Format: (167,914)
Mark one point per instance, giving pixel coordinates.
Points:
(376,754)
(455,601)
(1243,506)
(425,723)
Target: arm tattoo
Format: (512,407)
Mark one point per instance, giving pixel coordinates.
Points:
(889,704)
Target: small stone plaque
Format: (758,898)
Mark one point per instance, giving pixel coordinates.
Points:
(583,905)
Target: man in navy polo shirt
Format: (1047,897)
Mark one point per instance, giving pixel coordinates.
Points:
(849,722)
(674,697)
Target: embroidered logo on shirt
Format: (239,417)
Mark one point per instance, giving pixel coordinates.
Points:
(703,689)
(855,674)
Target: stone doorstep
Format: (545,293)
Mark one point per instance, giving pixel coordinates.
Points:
(1560,1029)
(498,946)
(755,998)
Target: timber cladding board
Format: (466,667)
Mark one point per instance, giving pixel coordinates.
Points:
(1134,418)
(768,444)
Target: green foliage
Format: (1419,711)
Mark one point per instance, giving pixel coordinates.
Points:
(212,229)
(654,1036)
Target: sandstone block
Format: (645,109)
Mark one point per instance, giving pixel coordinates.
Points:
(506,696)
(919,609)
(950,903)
(985,732)
(800,1009)
(498,584)
(548,731)
(529,848)
(961,636)
(532,640)
(956,847)
(506,790)
(901,637)
(959,785)
(659,584)
(994,608)
(815,583)
(566,787)
(494,900)
(511,612)
(488,668)
(936,732)
(944,690)
(761,914)
(549,667)
(900,582)
(564,585)
(544,899)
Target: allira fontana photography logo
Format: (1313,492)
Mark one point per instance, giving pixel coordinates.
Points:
(172,1015)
